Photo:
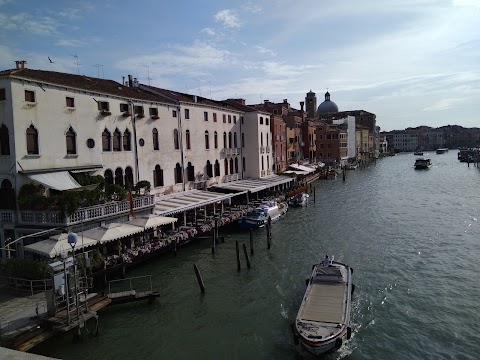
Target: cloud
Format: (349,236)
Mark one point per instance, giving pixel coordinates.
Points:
(70,43)
(275,68)
(252,8)
(4,2)
(263,50)
(27,23)
(444,104)
(77,12)
(208,31)
(228,18)
(470,3)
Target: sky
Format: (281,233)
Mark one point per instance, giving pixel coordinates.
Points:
(410,62)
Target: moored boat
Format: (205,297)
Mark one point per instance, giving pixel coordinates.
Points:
(418,153)
(323,320)
(423,163)
(442,151)
(331,174)
(299,200)
(259,217)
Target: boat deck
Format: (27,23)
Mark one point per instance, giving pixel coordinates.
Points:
(325,303)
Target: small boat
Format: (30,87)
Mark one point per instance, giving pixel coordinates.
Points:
(259,217)
(423,163)
(331,174)
(418,153)
(299,200)
(352,166)
(442,151)
(323,320)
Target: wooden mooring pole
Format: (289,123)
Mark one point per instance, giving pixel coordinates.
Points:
(251,241)
(269,234)
(238,256)
(199,278)
(314,195)
(246,255)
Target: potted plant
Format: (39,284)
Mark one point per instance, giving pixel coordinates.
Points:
(140,115)
(105,112)
(155,117)
(126,114)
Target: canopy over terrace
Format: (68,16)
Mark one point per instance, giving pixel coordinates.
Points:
(255,185)
(297,167)
(187,200)
(58,244)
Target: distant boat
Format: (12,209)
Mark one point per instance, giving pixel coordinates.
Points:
(442,150)
(423,164)
(331,174)
(352,166)
(418,153)
(259,217)
(323,320)
(299,200)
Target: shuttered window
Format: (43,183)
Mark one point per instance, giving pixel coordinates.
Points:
(29,96)
(106,140)
(127,140)
(116,140)
(155,139)
(4,141)
(70,138)
(32,140)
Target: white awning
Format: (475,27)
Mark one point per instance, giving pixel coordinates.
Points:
(296,172)
(113,231)
(57,244)
(152,221)
(308,169)
(60,180)
(254,185)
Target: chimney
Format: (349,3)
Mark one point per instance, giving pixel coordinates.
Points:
(123,80)
(302,103)
(130,81)
(238,101)
(21,64)
(266,101)
(135,83)
(285,101)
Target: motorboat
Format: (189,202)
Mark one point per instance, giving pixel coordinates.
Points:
(331,174)
(323,321)
(260,215)
(423,163)
(442,151)
(418,153)
(352,166)
(299,200)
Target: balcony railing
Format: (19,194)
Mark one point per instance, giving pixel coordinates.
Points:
(91,213)
(7,216)
(231,151)
(262,149)
(231,177)
(269,172)
(262,173)
(267,149)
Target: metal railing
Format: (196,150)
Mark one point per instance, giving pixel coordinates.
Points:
(25,286)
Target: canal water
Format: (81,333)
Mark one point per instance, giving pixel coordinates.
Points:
(411,236)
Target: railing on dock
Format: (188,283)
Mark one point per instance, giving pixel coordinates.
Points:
(24,286)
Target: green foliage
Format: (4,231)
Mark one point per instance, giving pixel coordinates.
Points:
(28,269)
(115,192)
(143,184)
(30,197)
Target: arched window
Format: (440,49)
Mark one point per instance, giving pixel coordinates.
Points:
(116,141)
(127,145)
(267,138)
(156,145)
(108,177)
(7,195)
(229,139)
(268,162)
(224,140)
(225,165)
(178,174)
(209,169)
(231,166)
(235,140)
(71,140)
(119,176)
(217,168)
(128,177)
(187,139)
(207,141)
(261,139)
(106,140)
(158,176)
(263,167)
(243,140)
(32,140)
(243,164)
(215,140)
(176,143)
(4,141)
(190,172)
(236,165)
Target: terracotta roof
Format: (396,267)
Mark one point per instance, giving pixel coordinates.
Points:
(82,82)
(244,108)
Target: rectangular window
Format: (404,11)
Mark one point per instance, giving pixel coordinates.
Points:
(187,114)
(275,111)
(70,102)
(124,107)
(234,119)
(241,118)
(153,111)
(174,113)
(261,120)
(205,115)
(329,137)
(214,117)
(229,119)
(224,118)
(266,121)
(103,105)
(29,96)
(138,109)
(2,94)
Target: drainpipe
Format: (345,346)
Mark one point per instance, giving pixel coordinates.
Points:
(180,143)
(135,146)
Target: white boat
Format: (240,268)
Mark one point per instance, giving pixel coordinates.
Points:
(418,153)
(259,217)
(423,163)
(352,166)
(299,200)
(323,320)
(442,151)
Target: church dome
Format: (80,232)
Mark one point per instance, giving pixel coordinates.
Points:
(327,106)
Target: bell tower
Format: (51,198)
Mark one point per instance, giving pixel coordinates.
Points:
(311,105)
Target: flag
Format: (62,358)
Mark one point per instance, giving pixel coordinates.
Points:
(130,199)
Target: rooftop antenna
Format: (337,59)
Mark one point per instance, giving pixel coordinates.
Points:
(76,61)
(148,74)
(98,66)
(210,85)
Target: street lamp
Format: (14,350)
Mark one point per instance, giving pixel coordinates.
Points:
(72,240)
